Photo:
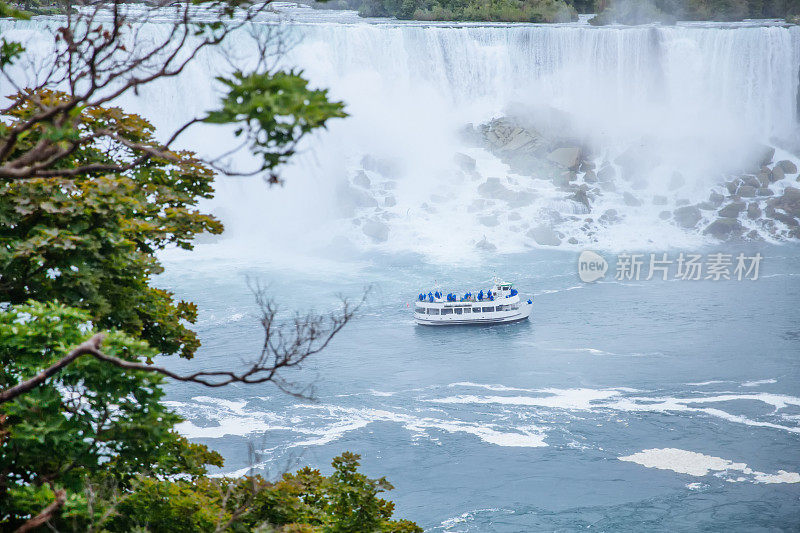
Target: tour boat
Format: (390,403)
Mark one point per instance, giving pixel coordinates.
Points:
(499,305)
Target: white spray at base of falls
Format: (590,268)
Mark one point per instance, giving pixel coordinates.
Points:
(699,96)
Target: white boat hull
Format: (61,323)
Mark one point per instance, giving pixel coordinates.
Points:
(497,317)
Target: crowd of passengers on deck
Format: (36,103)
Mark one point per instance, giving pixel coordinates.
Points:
(468,297)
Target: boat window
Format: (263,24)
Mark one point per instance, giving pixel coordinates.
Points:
(467,309)
(501,307)
(457,310)
(487,309)
(476,309)
(432,311)
(447,311)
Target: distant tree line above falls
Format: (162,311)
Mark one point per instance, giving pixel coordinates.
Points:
(608,11)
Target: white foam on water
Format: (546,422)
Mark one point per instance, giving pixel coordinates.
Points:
(381,393)
(688,405)
(623,399)
(554,291)
(231,418)
(350,419)
(469,516)
(499,388)
(759,382)
(332,432)
(592,351)
(698,465)
(579,399)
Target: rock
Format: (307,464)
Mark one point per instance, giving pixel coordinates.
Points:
(464,162)
(376,230)
(567,157)
(573,240)
(732,210)
(544,236)
(563,179)
(485,245)
(478,204)
(763,178)
(609,216)
(581,196)
(789,201)
(665,215)
(351,198)
(606,173)
(470,135)
(764,191)
(636,160)
(746,191)
(676,181)
(514,216)
(777,174)
(791,195)
(750,180)
(659,200)
(389,201)
(716,199)
(507,136)
(787,219)
(362,180)
(387,168)
(489,220)
(753,211)
(587,166)
(706,206)
(732,186)
(724,228)
(763,154)
(682,201)
(551,215)
(492,188)
(631,200)
(687,217)
(590,176)
(787,166)
(521,199)
(608,186)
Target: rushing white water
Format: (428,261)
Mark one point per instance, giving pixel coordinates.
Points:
(698,97)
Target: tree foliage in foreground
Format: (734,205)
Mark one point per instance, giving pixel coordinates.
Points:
(90,240)
(103,437)
(88,196)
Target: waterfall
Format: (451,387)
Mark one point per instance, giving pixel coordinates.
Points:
(697,94)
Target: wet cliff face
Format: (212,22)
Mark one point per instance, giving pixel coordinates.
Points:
(662,117)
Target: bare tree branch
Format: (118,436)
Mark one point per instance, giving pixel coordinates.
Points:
(285,346)
(84,348)
(46,514)
(99,56)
